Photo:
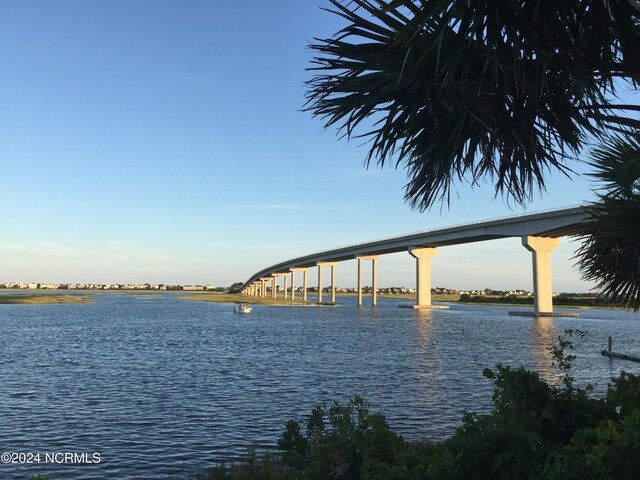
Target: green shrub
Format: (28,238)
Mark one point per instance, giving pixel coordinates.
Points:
(535,431)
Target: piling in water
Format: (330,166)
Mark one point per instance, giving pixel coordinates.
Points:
(624,356)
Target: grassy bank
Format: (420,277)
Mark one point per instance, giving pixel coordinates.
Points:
(43,299)
(567,301)
(220,297)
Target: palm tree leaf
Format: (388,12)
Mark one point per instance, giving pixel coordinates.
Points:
(610,253)
(496,90)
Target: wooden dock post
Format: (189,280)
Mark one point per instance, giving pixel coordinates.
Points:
(624,356)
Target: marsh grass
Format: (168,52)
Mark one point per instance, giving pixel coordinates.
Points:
(43,299)
(220,297)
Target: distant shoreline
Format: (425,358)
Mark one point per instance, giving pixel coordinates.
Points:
(83,296)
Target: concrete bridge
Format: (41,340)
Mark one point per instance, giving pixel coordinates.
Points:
(540,233)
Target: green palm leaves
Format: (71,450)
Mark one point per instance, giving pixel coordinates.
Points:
(610,254)
(454,90)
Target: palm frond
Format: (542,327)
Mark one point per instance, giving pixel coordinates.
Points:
(610,253)
(616,165)
(464,91)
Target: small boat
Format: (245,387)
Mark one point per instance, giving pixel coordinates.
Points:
(243,308)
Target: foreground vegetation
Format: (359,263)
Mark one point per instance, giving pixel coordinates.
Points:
(535,431)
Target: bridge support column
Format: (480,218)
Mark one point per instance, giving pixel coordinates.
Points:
(293,286)
(304,284)
(319,283)
(285,275)
(273,287)
(333,277)
(359,281)
(423,258)
(285,286)
(262,287)
(374,259)
(541,248)
(333,283)
(374,281)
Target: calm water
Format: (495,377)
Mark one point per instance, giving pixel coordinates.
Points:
(159,385)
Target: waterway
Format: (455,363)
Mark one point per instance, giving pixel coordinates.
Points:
(158,386)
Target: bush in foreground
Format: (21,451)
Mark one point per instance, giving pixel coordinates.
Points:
(535,431)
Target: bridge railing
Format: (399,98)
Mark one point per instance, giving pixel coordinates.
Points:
(441,229)
(421,232)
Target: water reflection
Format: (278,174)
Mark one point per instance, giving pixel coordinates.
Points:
(424,324)
(543,336)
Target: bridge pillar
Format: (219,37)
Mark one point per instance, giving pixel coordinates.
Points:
(374,281)
(319,283)
(423,256)
(293,286)
(273,287)
(304,284)
(263,288)
(359,281)
(541,248)
(333,277)
(333,283)
(374,260)
(285,275)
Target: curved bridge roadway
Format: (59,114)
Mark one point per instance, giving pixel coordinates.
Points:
(540,233)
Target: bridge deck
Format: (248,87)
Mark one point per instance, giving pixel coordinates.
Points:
(553,223)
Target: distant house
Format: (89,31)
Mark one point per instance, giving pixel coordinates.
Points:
(193,288)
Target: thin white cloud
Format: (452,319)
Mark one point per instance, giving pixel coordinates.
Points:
(262,206)
(117,244)
(290,207)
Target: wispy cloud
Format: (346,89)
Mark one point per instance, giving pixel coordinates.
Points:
(56,249)
(345,175)
(290,207)
(117,244)
(262,206)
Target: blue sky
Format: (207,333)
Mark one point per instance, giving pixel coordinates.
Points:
(164,142)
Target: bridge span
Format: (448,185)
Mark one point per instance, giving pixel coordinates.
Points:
(540,233)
